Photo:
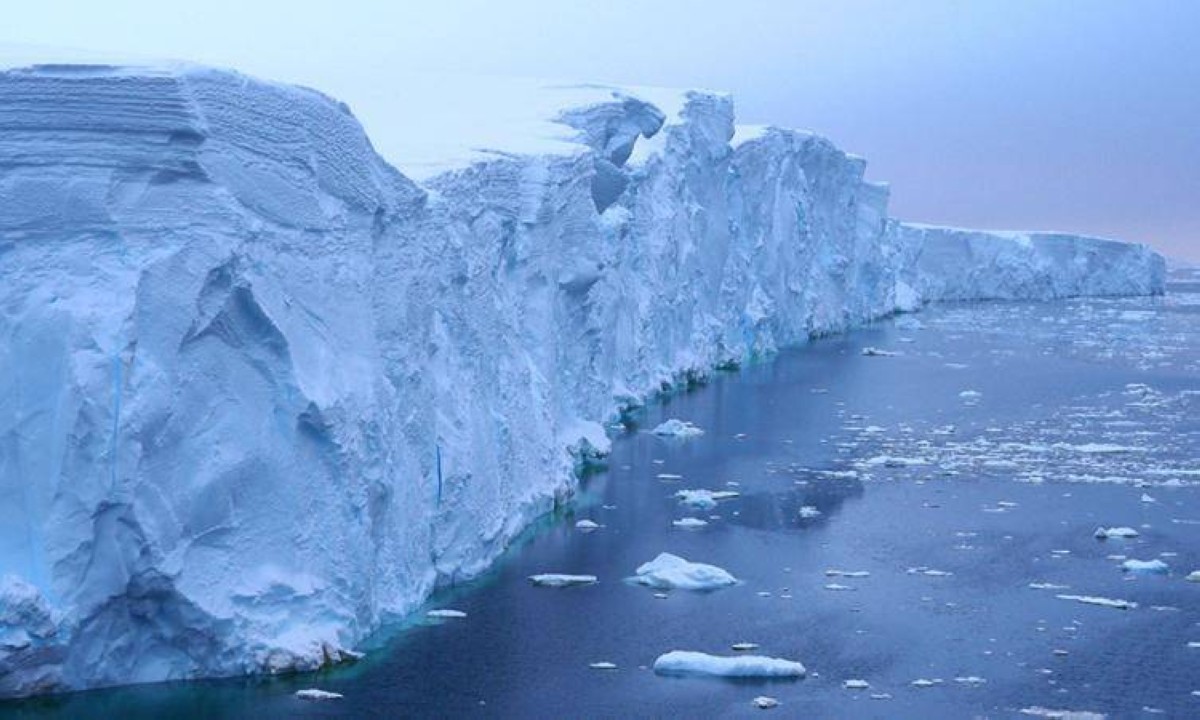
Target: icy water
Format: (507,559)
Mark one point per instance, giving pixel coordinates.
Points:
(966,474)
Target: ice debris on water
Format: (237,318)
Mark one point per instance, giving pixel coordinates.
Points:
(689,523)
(926,683)
(855,684)
(764,702)
(315,694)
(677,428)
(744,646)
(704,499)
(669,571)
(558,580)
(1100,601)
(446,614)
(847,573)
(1103,533)
(1145,567)
(876,352)
(587,525)
(809,512)
(602,666)
(683,662)
(1039,711)
(1194,576)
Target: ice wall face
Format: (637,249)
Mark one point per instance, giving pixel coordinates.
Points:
(952,264)
(258,391)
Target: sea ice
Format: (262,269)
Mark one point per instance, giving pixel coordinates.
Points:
(677,428)
(558,580)
(1146,567)
(669,572)
(682,662)
(315,694)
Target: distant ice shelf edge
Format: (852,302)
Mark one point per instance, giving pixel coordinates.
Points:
(260,391)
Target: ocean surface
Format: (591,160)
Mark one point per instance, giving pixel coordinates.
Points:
(965,467)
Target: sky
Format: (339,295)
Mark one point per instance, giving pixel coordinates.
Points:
(1072,115)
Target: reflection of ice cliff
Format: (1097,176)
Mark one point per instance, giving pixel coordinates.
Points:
(259,390)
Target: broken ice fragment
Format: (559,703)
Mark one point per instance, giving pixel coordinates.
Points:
(678,429)
(446,614)
(669,571)
(682,662)
(315,694)
(558,580)
(1145,567)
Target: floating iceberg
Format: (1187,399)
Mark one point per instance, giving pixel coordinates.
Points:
(315,694)
(1101,601)
(682,662)
(227,318)
(558,580)
(667,572)
(1145,567)
(704,499)
(677,428)
(1103,533)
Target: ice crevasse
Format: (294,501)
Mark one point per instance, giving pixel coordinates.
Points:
(261,390)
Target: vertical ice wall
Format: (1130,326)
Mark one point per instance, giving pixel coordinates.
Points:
(259,391)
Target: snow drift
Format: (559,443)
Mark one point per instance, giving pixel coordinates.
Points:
(260,391)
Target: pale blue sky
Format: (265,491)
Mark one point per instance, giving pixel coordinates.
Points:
(1078,116)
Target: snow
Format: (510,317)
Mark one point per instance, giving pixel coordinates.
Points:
(682,662)
(668,571)
(1145,567)
(315,694)
(677,428)
(557,580)
(265,380)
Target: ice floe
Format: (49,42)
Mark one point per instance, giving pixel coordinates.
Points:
(1101,601)
(1103,533)
(677,428)
(558,580)
(684,662)
(669,571)
(1145,567)
(315,694)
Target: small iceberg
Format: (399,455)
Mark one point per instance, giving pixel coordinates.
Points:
(557,580)
(689,523)
(587,525)
(809,512)
(677,428)
(704,499)
(317,695)
(446,613)
(1194,576)
(744,646)
(876,352)
(683,662)
(1145,567)
(855,684)
(1101,601)
(763,702)
(667,572)
(1115,532)
(603,666)
(847,573)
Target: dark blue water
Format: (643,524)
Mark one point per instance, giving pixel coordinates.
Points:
(1083,407)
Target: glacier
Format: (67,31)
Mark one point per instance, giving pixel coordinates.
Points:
(262,390)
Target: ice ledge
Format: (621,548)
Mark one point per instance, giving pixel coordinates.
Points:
(260,391)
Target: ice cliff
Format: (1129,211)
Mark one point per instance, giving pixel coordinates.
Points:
(260,391)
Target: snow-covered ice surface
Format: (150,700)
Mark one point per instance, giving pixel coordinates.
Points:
(1011,531)
(260,390)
